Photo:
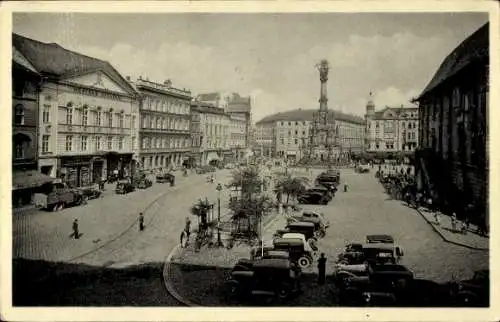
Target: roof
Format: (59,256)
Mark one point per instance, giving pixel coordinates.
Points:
(473,49)
(50,59)
(308,115)
(397,112)
(203,107)
(19,59)
(29,179)
(209,97)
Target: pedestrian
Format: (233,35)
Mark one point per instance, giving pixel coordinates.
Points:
(464,227)
(187,228)
(345,187)
(141,222)
(430,204)
(454,222)
(322,269)
(76,231)
(437,218)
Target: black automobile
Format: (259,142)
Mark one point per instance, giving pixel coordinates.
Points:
(90,192)
(306,228)
(165,178)
(123,187)
(275,277)
(474,292)
(313,198)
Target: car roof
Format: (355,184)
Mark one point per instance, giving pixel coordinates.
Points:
(272,262)
(310,212)
(301,224)
(380,246)
(288,241)
(293,235)
(382,238)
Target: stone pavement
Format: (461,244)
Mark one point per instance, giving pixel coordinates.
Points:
(45,235)
(470,240)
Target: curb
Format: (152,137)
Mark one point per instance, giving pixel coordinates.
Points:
(444,237)
(166,279)
(167,267)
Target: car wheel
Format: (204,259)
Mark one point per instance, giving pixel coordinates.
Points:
(304,262)
(61,206)
(55,207)
(283,292)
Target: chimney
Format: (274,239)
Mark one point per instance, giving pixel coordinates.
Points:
(128,78)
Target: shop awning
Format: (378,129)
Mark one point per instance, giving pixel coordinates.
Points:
(29,179)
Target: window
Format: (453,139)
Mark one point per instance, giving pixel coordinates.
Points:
(19,152)
(120,143)
(282,141)
(120,120)
(296,132)
(144,122)
(158,143)
(110,142)
(69,116)
(45,143)
(98,118)
(110,119)
(409,135)
(296,141)
(282,123)
(83,143)
(46,114)
(144,143)
(153,143)
(98,143)
(85,116)
(69,142)
(133,142)
(133,122)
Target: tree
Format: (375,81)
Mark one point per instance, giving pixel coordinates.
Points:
(248,180)
(291,186)
(201,209)
(249,212)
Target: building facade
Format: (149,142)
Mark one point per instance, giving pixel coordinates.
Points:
(87,114)
(286,134)
(196,137)
(25,89)
(239,110)
(165,129)
(453,159)
(215,135)
(392,129)
(265,139)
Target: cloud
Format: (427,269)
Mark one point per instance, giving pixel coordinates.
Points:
(395,67)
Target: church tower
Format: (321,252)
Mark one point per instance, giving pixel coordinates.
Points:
(370,113)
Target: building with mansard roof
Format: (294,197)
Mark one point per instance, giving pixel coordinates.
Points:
(88,114)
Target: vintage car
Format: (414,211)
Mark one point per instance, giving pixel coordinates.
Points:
(144,183)
(381,279)
(313,197)
(90,192)
(343,273)
(306,228)
(319,226)
(165,178)
(474,291)
(123,187)
(318,215)
(274,276)
(300,252)
(375,239)
(372,253)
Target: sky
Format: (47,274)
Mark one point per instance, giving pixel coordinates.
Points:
(271,57)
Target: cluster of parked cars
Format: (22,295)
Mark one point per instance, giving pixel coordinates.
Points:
(371,274)
(274,268)
(324,190)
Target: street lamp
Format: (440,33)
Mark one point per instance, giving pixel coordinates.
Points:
(219,189)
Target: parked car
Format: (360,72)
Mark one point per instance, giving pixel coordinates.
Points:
(300,251)
(306,228)
(123,187)
(313,198)
(474,291)
(372,253)
(144,183)
(319,226)
(319,215)
(165,178)
(90,192)
(375,239)
(57,196)
(272,276)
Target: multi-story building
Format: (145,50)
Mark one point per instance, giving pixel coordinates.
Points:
(239,110)
(196,137)
(265,138)
(215,138)
(87,114)
(452,159)
(25,87)
(286,134)
(392,129)
(165,134)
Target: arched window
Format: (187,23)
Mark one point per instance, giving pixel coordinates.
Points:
(20,144)
(19,115)
(69,115)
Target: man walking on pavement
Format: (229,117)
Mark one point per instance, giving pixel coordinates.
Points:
(141,221)
(322,269)
(76,232)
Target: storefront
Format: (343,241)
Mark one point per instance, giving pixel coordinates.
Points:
(75,171)
(24,184)
(122,162)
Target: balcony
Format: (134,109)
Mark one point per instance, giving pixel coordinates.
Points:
(166,131)
(92,129)
(165,150)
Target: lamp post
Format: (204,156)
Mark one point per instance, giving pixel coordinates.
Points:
(219,189)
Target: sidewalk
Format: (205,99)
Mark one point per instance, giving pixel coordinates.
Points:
(45,235)
(470,240)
